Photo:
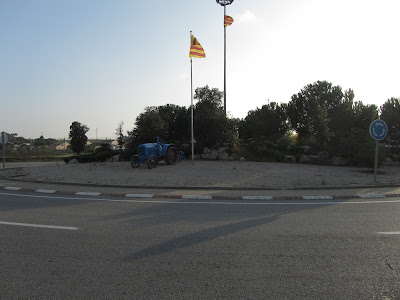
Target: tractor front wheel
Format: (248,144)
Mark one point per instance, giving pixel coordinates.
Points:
(170,159)
(151,162)
(135,162)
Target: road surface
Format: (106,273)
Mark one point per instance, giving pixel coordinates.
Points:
(69,247)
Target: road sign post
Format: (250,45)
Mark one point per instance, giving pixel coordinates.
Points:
(378,131)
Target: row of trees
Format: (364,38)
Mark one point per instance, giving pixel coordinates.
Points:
(321,116)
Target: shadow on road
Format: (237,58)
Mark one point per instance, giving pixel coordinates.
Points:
(201,236)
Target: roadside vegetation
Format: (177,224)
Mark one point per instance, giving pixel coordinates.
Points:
(321,120)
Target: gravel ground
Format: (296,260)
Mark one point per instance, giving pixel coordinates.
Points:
(263,175)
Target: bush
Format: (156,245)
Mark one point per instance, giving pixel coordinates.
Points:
(358,146)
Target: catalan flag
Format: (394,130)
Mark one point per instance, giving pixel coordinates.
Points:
(228,21)
(195,48)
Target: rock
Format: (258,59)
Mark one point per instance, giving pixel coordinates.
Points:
(222,150)
(73,161)
(205,156)
(308,159)
(233,156)
(339,161)
(290,159)
(242,159)
(323,156)
(388,162)
(206,151)
(113,158)
(214,154)
(224,155)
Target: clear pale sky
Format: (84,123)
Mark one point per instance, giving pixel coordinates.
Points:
(102,62)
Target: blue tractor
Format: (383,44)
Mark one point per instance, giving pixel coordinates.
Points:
(152,153)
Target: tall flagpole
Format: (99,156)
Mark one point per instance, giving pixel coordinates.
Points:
(191,102)
(224,3)
(224,61)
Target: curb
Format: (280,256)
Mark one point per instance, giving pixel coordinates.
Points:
(200,197)
(210,188)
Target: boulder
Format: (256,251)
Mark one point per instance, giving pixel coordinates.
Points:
(223,155)
(323,156)
(308,159)
(113,158)
(222,150)
(73,161)
(290,159)
(214,154)
(339,161)
(233,156)
(205,156)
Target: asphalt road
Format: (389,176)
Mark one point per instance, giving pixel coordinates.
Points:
(55,247)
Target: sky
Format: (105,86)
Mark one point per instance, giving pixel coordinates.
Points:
(103,62)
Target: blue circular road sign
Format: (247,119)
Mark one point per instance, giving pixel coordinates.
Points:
(378,130)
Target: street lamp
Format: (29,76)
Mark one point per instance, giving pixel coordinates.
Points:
(224,3)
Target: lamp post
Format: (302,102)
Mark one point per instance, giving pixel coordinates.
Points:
(224,3)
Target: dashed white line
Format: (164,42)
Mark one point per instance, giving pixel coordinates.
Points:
(372,196)
(139,195)
(12,188)
(39,226)
(317,197)
(389,233)
(87,194)
(197,197)
(45,191)
(256,197)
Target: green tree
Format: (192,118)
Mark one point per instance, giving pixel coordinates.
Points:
(120,135)
(211,126)
(266,123)
(78,137)
(390,113)
(178,122)
(320,111)
(169,122)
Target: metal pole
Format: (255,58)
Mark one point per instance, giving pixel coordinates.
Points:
(376,160)
(191,103)
(3,141)
(224,61)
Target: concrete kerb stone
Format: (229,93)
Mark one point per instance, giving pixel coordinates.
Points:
(54,189)
(228,188)
(194,197)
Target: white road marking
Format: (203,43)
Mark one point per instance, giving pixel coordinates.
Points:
(45,191)
(87,194)
(256,197)
(39,226)
(389,233)
(197,197)
(139,195)
(317,197)
(372,196)
(12,188)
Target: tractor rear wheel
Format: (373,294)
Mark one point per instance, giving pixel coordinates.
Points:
(135,162)
(151,162)
(170,159)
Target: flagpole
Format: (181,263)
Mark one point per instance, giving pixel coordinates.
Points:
(191,102)
(224,61)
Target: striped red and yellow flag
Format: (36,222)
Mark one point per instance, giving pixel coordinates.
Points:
(228,21)
(196,50)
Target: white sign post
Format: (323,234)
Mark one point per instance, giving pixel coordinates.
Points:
(378,130)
